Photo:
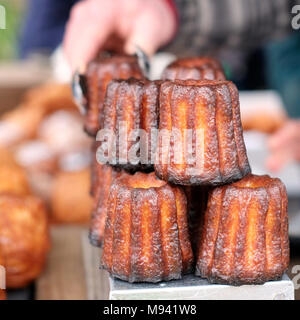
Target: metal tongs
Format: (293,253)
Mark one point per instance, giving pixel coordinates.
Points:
(79,83)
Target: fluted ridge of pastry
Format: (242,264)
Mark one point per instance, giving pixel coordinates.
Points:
(131,114)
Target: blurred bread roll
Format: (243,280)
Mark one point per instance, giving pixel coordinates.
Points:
(267,122)
(51,97)
(6,157)
(22,123)
(36,156)
(40,163)
(13,180)
(262,110)
(63,132)
(24,238)
(70,200)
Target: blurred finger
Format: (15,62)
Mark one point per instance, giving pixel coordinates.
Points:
(277,161)
(143,36)
(153,26)
(85,33)
(284,155)
(291,131)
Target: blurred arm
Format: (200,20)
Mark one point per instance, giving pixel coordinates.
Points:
(283,72)
(44,25)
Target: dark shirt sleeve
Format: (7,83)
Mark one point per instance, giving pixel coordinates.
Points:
(283,71)
(44,25)
(206,25)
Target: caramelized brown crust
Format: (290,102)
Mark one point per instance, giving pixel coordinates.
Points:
(99,74)
(103,177)
(2,294)
(200,134)
(244,238)
(197,68)
(146,232)
(131,113)
(24,238)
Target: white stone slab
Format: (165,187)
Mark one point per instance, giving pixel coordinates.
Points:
(195,288)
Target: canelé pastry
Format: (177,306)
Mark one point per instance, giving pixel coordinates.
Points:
(244,238)
(24,238)
(130,115)
(103,176)
(146,232)
(99,73)
(70,199)
(196,68)
(200,134)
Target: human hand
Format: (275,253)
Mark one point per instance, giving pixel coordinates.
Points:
(284,145)
(148,24)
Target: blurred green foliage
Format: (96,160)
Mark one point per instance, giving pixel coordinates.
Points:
(9,37)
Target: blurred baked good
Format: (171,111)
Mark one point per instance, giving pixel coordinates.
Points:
(200,134)
(6,157)
(62,132)
(36,155)
(51,97)
(244,238)
(70,199)
(40,163)
(22,123)
(99,73)
(263,121)
(24,238)
(13,180)
(146,232)
(75,161)
(262,110)
(196,68)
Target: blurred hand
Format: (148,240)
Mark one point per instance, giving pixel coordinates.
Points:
(284,145)
(146,23)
